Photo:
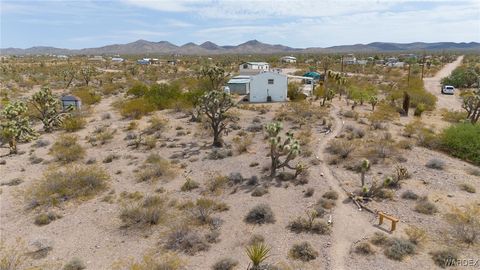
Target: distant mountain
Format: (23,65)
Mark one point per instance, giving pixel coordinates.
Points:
(142,47)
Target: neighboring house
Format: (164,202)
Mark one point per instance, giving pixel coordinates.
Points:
(362,62)
(349,59)
(396,64)
(64,57)
(144,61)
(391,60)
(289,59)
(117,59)
(239,85)
(268,87)
(70,100)
(251,68)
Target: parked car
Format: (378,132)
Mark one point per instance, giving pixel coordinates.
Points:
(448,90)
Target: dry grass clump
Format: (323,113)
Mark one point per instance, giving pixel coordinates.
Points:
(60,185)
(157,124)
(225,264)
(303,252)
(409,195)
(364,248)
(189,185)
(101,136)
(74,264)
(397,249)
(219,153)
(468,188)
(416,235)
(465,224)
(260,214)
(379,239)
(241,144)
(424,206)
(12,258)
(300,112)
(436,164)
(151,211)
(331,195)
(309,224)
(341,148)
(445,257)
(216,184)
(187,241)
(74,123)
(154,169)
(45,218)
(166,261)
(326,203)
(204,208)
(259,191)
(66,149)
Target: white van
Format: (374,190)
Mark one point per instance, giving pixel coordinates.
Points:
(448,90)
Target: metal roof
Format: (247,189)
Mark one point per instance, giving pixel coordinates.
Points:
(239,81)
(70,98)
(257,63)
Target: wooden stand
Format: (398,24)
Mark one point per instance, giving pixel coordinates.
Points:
(394,220)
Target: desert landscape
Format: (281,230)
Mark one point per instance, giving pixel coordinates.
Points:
(155,156)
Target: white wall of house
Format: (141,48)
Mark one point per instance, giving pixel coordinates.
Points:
(249,68)
(268,84)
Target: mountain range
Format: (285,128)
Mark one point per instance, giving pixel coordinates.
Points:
(144,47)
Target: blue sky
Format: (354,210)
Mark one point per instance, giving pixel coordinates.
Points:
(92,23)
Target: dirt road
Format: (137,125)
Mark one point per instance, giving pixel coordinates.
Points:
(433,85)
(349,224)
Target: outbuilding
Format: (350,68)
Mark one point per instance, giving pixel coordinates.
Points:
(251,68)
(71,101)
(268,87)
(239,85)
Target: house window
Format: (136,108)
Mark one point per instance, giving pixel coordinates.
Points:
(270,81)
(245,66)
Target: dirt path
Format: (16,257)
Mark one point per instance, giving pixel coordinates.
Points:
(350,225)
(433,85)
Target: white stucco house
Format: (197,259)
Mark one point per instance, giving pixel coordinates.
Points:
(289,59)
(251,68)
(268,87)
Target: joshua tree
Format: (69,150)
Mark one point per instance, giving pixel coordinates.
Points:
(373,101)
(68,74)
(48,109)
(216,76)
(15,125)
(289,148)
(363,169)
(215,105)
(471,104)
(87,73)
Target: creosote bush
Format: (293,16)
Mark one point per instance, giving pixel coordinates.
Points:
(364,248)
(155,168)
(45,218)
(151,211)
(409,195)
(331,195)
(189,185)
(426,207)
(66,149)
(60,185)
(398,249)
(415,234)
(436,164)
(309,224)
(379,239)
(341,148)
(303,252)
(225,264)
(445,257)
(465,224)
(260,214)
(74,264)
(468,188)
(187,241)
(74,122)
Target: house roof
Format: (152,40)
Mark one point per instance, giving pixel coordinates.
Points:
(256,63)
(239,80)
(70,98)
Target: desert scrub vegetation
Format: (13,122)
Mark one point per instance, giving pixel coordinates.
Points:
(189,185)
(462,141)
(303,252)
(301,113)
(258,252)
(74,122)
(155,168)
(468,188)
(309,224)
(12,258)
(66,149)
(100,136)
(151,211)
(341,148)
(74,264)
(424,206)
(225,264)
(436,164)
(187,241)
(201,212)
(87,95)
(453,116)
(416,235)
(398,248)
(242,143)
(445,257)
(216,183)
(465,224)
(60,185)
(163,261)
(260,214)
(364,248)
(45,218)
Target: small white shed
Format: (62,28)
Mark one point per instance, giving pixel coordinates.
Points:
(268,87)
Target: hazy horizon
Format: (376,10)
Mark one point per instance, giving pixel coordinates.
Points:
(297,24)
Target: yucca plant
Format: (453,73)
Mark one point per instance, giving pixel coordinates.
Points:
(257,253)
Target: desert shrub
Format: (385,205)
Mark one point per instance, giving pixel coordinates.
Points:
(45,218)
(462,141)
(425,136)
(444,258)
(260,214)
(326,203)
(167,261)
(309,192)
(151,211)
(465,223)
(331,195)
(241,144)
(74,264)
(364,248)
(41,143)
(309,224)
(73,123)
(398,249)
(474,171)
(303,251)
(383,114)
(203,209)
(136,108)
(405,144)
(101,135)
(187,241)
(424,206)
(454,116)
(219,153)
(155,168)
(60,185)
(66,149)
(225,264)
(341,148)
(87,95)
(189,185)
(468,188)
(350,114)
(385,193)
(415,234)
(409,195)
(436,164)
(157,124)
(259,191)
(379,239)
(110,158)
(216,184)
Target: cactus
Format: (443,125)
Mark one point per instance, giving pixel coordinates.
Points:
(290,148)
(373,101)
(363,169)
(214,105)
(48,109)
(15,125)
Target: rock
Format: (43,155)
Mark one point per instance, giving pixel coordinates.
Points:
(3,162)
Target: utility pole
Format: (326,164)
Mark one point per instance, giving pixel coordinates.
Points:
(341,64)
(408,77)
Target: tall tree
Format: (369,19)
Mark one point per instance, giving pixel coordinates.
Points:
(68,75)
(471,104)
(288,148)
(48,109)
(88,73)
(15,125)
(215,105)
(215,75)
